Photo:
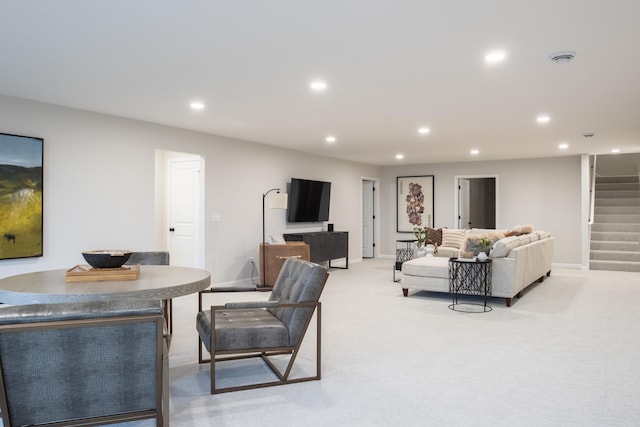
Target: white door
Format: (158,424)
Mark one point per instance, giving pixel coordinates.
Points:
(183,198)
(464,217)
(368,216)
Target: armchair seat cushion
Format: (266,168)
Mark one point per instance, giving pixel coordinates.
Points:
(242,328)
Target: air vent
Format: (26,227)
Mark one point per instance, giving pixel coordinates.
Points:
(562,56)
(588,134)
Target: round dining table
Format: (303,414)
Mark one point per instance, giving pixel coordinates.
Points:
(161,282)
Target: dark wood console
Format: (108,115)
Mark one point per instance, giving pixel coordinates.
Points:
(324,245)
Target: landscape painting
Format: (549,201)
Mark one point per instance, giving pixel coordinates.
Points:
(20,196)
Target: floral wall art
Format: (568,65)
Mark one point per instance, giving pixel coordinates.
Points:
(20,196)
(415,202)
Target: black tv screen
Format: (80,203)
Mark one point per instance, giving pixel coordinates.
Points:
(308,200)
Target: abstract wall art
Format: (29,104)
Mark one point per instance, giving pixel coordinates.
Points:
(415,202)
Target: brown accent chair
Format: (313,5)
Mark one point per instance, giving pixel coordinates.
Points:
(88,363)
(265,328)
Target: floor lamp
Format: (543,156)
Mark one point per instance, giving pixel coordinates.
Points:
(276,201)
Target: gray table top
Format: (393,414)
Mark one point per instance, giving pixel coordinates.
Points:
(154,282)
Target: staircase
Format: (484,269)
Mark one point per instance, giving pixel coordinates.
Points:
(615,233)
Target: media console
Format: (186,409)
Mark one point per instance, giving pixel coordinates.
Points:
(324,245)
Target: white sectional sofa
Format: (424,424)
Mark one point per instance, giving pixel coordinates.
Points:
(518,261)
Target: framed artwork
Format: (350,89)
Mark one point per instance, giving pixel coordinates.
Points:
(20,196)
(415,202)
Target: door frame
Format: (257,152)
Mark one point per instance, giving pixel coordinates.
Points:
(456,183)
(376,214)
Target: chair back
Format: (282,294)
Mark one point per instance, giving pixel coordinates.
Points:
(71,361)
(298,281)
(149,258)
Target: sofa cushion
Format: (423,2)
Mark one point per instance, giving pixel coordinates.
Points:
(452,238)
(542,234)
(427,266)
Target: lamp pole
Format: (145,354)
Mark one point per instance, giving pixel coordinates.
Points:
(264,240)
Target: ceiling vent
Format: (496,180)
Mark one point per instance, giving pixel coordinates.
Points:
(562,56)
(588,134)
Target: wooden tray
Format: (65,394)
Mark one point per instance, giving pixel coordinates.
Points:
(86,273)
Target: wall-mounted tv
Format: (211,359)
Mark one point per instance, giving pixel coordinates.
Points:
(308,200)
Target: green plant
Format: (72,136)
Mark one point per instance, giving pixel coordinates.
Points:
(484,243)
(422,235)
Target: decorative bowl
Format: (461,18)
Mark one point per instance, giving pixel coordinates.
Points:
(106,258)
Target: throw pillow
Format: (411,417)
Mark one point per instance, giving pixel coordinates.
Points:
(472,241)
(435,236)
(452,238)
(519,230)
(503,247)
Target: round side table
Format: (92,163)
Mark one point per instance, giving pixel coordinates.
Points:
(469,277)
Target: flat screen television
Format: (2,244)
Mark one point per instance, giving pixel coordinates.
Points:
(308,200)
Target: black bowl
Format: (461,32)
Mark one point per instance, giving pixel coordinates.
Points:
(106,258)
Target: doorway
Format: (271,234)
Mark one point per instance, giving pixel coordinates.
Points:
(476,199)
(369,223)
(184,197)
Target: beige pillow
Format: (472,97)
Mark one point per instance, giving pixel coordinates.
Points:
(502,247)
(519,230)
(452,238)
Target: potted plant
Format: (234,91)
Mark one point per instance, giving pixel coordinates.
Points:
(422,237)
(484,245)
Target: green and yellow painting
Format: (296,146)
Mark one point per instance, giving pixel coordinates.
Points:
(20,196)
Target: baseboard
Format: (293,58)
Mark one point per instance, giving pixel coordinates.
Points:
(569,266)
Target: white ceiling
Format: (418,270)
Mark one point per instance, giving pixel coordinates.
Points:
(391,67)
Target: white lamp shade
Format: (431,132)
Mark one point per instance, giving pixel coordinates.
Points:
(278,201)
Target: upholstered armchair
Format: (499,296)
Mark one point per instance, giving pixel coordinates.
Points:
(266,328)
(155,258)
(149,258)
(84,363)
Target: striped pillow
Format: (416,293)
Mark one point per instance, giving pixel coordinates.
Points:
(452,238)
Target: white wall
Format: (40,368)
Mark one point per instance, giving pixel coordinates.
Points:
(100,191)
(618,164)
(546,193)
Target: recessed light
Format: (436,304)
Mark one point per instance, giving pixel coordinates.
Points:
(494,57)
(615,150)
(563,146)
(399,156)
(475,152)
(543,119)
(424,130)
(318,86)
(330,139)
(196,105)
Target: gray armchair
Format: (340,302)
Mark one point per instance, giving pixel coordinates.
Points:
(155,258)
(149,258)
(83,363)
(266,328)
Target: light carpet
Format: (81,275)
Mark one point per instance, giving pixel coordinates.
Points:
(563,355)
